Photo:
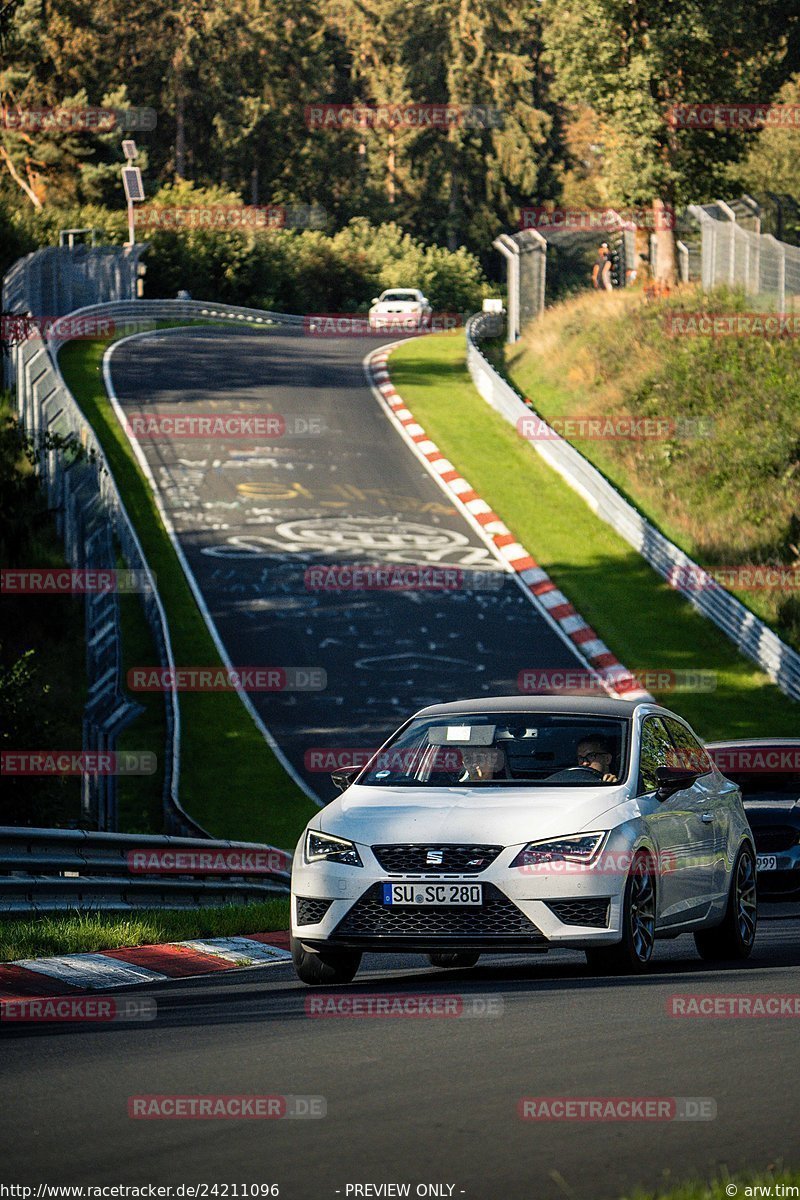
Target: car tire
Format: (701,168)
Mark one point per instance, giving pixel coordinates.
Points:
(632,955)
(453,958)
(733,939)
(324,967)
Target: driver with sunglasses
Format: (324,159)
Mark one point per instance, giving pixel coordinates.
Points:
(595,753)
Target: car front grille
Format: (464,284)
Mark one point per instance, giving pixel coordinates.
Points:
(773,838)
(497,916)
(456,859)
(592,912)
(310,911)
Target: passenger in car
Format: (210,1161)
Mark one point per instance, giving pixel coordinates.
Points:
(481,763)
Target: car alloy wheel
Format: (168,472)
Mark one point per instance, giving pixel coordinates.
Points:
(734,937)
(631,955)
(642,910)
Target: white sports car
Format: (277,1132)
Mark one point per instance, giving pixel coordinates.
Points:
(399,308)
(518,824)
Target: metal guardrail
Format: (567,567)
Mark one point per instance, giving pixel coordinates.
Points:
(90,512)
(62,870)
(748,633)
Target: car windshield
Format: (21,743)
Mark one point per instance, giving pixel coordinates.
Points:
(514,748)
(767,772)
(399,296)
(765,786)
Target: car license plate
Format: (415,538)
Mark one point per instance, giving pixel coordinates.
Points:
(433,893)
(766,862)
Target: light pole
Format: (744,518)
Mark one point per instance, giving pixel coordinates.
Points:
(132,182)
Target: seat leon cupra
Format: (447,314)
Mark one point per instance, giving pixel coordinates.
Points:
(519,824)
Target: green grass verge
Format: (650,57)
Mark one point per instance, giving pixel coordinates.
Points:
(646,624)
(230,780)
(756,1186)
(83,933)
(139,797)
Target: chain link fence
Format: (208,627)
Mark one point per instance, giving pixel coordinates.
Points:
(722,244)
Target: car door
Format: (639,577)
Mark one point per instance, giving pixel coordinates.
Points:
(680,829)
(720,795)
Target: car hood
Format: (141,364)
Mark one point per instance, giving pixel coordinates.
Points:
(765,812)
(397,305)
(494,816)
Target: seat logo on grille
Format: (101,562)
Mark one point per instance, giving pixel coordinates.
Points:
(434,858)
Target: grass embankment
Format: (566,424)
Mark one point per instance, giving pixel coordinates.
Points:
(646,623)
(230,780)
(84,933)
(729,495)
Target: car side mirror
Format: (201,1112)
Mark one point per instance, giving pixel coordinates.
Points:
(375,300)
(344,777)
(674,779)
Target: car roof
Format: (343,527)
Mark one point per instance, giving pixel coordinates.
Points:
(586,706)
(764,741)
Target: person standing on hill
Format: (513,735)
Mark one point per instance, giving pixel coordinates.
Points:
(601,271)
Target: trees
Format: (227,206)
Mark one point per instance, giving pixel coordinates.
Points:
(631,60)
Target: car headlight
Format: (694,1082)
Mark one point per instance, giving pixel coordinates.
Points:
(323,847)
(577,847)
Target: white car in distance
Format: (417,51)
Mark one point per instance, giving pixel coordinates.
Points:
(399,309)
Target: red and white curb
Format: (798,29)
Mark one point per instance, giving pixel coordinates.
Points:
(130,966)
(588,647)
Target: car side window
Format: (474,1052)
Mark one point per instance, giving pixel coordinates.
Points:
(656,749)
(689,753)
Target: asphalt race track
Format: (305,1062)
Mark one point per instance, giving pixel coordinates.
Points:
(418,1101)
(252,518)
